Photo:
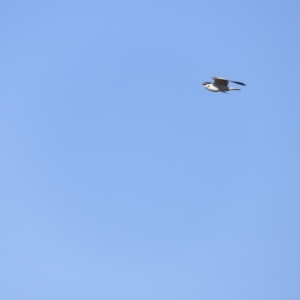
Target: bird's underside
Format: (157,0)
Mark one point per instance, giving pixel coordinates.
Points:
(221,85)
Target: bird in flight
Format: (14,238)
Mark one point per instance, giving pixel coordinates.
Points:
(221,85)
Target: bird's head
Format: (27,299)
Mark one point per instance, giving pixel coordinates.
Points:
(206,83)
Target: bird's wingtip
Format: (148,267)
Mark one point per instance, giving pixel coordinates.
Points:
(238,82)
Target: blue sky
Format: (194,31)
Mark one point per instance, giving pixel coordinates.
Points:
(122,177)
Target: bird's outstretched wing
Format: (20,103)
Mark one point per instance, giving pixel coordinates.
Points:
(224,82)
(220,81)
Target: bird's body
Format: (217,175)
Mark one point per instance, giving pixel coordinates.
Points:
(220,85)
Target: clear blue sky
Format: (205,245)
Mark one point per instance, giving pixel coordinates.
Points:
(122,177)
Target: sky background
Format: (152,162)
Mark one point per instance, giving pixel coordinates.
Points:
(122,177)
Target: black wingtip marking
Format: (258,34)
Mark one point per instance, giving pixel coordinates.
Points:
(241,83)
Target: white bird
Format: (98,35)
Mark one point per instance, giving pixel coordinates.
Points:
(221,85)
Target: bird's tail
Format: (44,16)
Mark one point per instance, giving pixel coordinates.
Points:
(234,89)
